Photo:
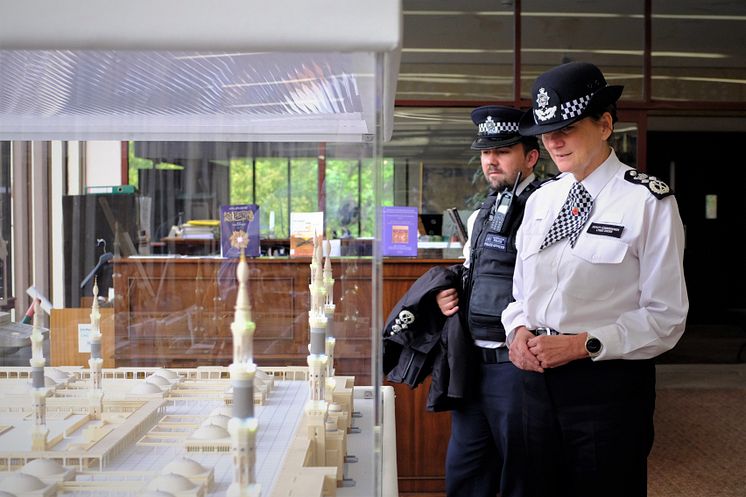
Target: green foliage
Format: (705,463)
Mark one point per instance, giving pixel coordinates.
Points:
(342,203)
(135,163)
(282,185)
(242,180)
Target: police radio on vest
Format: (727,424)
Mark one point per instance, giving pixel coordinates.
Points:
(502,208)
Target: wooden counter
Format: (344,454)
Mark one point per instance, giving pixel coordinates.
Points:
(176,311)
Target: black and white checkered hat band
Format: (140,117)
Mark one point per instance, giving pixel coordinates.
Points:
(498,128)
(574,107)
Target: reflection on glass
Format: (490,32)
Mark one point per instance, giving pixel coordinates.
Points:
(608,34)
(457,51)
(711,68)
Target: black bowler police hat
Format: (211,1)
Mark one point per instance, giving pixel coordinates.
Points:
(566,94)
(496,127)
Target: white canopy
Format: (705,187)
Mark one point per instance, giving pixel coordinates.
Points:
(235,70)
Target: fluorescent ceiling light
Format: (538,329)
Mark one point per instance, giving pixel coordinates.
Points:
(458,13)
(594,15)
(701,79)
(635,53)
(692,17)
(690,55)
(456,50)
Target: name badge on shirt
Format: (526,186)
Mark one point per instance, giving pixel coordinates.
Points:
(605,229)
(496,242)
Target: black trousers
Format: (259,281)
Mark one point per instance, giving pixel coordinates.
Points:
(589,427)
(486,451)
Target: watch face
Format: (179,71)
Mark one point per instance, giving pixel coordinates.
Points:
(593,345)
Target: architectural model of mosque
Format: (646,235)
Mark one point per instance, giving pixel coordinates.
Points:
(239,431)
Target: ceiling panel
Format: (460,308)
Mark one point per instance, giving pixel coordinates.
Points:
(186,70)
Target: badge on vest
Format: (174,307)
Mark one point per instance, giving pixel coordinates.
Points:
(496,242)
(605,229)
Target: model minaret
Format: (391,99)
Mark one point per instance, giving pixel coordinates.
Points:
(243,425)
(38,388)
(317,359)
(96,362)
(329,310)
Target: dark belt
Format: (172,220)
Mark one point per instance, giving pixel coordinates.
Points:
(494,356)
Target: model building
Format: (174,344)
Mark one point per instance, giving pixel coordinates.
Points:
(211,430)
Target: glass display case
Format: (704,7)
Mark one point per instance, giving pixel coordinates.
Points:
(199,342)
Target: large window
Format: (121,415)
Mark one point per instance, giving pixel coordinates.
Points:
(278,184)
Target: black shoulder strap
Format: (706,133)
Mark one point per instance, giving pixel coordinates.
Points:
(658,188)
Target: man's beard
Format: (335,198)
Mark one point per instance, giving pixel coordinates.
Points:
(500,184)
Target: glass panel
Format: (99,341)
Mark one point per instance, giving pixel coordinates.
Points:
(6,261)
(434,167)
(167,299)
(624,142)
(272,193)
(304,190)
(608,34)
(242,181)
(712,68)
(457,51)
(343,197)
(367,192)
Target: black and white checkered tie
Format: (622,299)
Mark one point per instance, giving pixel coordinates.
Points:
(571,218)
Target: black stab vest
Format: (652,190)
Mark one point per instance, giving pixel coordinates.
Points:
(489,280)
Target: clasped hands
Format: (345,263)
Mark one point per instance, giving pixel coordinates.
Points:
(527,351)
(536,353)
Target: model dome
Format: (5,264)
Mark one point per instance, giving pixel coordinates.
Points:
(171,482)
(222,411)
(157,380)
(185,467)
(210,432)
(19,483)
(43,468)
(146,388)
(167,373)
(217,419)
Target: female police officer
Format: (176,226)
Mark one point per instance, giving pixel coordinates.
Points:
(600,292)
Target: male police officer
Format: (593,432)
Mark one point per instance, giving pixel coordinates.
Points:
(486,450)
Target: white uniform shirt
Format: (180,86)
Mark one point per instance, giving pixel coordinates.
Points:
(467,249)
(628,292)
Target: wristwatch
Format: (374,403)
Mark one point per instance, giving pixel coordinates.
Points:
(593,345)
